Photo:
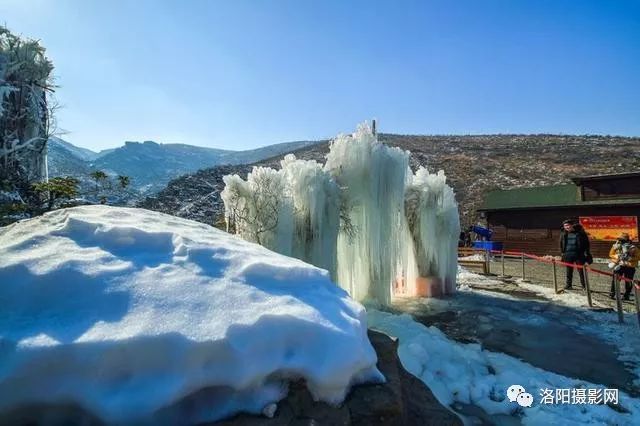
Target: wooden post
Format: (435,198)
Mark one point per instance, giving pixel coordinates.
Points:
(502,260)
(523,267)
(616,286)
(587,286)
(555,276)
(487,259)
(637,294)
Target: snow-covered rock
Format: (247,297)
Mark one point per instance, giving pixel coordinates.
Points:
(138,316)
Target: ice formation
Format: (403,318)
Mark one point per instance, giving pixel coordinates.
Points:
(373,177)
(140,317)
(434,225)
(364,208)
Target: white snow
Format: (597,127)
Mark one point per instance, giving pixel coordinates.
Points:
(466,277)
(143,317)
(465,373)
(573,299)
(476,256)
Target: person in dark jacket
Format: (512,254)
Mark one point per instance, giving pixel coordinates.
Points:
(575,248)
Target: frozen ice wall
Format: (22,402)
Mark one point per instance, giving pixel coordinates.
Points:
(373,177)
(363,216)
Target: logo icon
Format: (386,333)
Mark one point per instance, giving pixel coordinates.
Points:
(525,399)
(517,393)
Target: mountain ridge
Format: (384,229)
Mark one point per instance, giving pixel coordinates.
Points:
(150,165)
(473,164)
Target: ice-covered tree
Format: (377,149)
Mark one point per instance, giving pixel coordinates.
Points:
(26,119)
(256,209)
(294,210)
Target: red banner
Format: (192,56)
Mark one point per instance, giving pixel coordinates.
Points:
(609,228)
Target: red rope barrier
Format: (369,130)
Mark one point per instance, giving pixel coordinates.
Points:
(636,283)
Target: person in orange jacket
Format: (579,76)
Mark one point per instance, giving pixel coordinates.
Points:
(624,261)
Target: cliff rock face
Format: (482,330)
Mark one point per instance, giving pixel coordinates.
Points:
(402,401)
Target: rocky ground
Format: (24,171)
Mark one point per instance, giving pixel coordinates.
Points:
(402,401)
(473,165)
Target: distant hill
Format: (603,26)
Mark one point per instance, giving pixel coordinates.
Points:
(150,165)
(473,165)
(78,152)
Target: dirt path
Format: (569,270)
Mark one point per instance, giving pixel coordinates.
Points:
(542,274)
(529,327)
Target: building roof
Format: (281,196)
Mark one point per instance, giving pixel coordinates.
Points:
(579,179)
(567,195)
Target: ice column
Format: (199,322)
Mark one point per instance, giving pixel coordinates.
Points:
(434,225)
(372,177)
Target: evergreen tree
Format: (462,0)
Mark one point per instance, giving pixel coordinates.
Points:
(99,176)
(124,181)
(56,189)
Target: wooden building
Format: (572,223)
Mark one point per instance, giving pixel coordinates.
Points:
(530,219)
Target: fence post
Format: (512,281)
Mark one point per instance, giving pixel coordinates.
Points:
(587,286)
(616,285)
(523,267)
(637,294)
(502,260)
(555,276)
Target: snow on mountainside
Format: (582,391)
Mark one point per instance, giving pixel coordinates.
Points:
(151,165)
(64,159)
(78,152)
(472,164)
(138,317)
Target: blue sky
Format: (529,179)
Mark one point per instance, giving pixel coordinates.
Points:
(241,74)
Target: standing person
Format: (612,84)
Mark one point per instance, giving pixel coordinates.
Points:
(624,260)
(575,248)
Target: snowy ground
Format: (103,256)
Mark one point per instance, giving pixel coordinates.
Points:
(138,317)
(486,341)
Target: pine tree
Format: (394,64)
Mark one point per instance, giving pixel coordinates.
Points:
(57,188)
(124,181)
(99,176)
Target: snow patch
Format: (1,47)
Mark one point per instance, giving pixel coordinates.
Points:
(138,316)
(465,373)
